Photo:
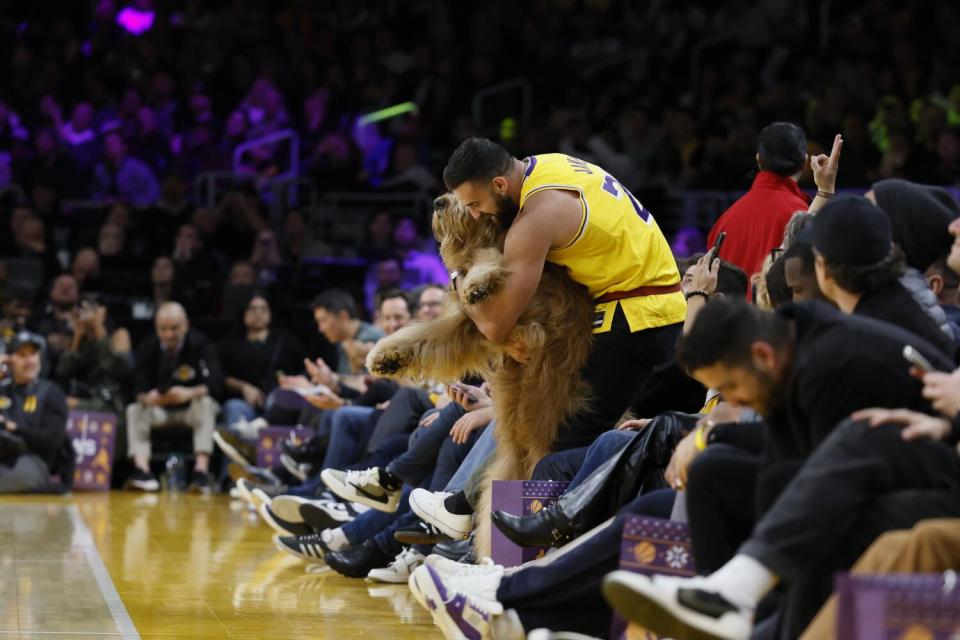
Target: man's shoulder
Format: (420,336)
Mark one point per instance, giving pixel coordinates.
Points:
(368,332)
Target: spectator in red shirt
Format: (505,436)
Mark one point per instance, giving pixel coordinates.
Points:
(755,223)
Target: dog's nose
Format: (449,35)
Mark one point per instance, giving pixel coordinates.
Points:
(440,203)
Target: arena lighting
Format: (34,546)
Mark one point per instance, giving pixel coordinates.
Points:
(136,21)
(386,114)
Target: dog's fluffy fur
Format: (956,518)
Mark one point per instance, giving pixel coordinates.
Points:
(532,401)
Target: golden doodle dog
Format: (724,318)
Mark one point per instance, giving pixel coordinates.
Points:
(531,401)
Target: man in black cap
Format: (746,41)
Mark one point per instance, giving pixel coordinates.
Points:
(858,268)
(33,421)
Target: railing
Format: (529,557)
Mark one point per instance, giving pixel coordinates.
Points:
(293,168)
(485,95)
(290,193)
(210,185)
(338,221)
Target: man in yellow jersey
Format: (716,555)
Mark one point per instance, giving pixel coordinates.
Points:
(564,210)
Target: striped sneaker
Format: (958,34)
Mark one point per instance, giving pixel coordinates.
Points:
(309,547)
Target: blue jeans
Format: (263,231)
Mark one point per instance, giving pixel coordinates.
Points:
(576,465)
(481,450)
(414,465)
(235,410)
(350,429)
(565,593)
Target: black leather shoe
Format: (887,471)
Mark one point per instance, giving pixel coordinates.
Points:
(356,562)
(547,528)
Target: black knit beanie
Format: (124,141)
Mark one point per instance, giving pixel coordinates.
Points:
(851,231)
(920,215)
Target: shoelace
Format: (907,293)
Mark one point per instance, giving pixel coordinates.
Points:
(405,558)
(310,538)
(485,567)
(366,476)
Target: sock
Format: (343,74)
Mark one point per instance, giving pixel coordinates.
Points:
(389,481)
(743,580)
(335,539)
(457,504)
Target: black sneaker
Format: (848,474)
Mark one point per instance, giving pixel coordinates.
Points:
(323,514)
(420,532)
(200,483)
(357,562)
(281,526)
(141,480)
(309,547)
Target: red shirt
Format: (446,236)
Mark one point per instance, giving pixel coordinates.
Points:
(755,223)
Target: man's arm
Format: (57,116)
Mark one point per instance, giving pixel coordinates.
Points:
(549,218)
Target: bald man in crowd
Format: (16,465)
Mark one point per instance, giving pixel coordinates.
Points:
(177,380)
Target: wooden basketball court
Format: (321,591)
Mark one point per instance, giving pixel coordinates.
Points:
(130,565)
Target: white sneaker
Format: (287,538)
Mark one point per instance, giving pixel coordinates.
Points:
(230,451)
(459,615)
(362,487)
(446,567)
(288,507)
(546,634)
(297,470)
(677,607)
(250,430)
(398,571)
(428,506)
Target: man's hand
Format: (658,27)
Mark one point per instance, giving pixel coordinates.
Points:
(461,394)
(325,401)
(179,395)
(152,398)
(943,391)
(9,425)
(703,275)
(252,395)
(634,425)
(429,419)
(293,382)
(470,422)
(915,425)
(825,167)
(320,373)
(683,455)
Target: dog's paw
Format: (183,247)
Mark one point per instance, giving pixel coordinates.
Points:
(387,364)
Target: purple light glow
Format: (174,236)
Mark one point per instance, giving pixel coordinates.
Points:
(135,21)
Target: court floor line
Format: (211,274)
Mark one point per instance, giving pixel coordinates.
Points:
(107,589)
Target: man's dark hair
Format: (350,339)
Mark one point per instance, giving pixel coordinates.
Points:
(335,301)
(390,294)
(782,147)
(724,331)
(951,280)
(803,252)
(476,159)
(731,279)
(776,280)
(871,277)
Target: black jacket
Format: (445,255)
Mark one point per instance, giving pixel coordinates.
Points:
(895,305)
(196,363)
(39,410)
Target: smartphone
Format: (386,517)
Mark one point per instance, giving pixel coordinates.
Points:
(915,358)
(715,250)
(459,387)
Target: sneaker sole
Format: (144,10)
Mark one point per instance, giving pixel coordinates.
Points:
(258,497)
(292,467)
(387,578)
(419,537)
(283,528)
(229,450)
(288,508)
(321,519)
(296,554)
(427,517)
(646,610)
(150,486)
(350,494)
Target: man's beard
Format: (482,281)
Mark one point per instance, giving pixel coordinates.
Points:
(506,210)
(772,398)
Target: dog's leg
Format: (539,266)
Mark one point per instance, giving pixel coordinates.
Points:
(486,276)
(446,348)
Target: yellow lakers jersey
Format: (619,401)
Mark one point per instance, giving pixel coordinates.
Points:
(619,246)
